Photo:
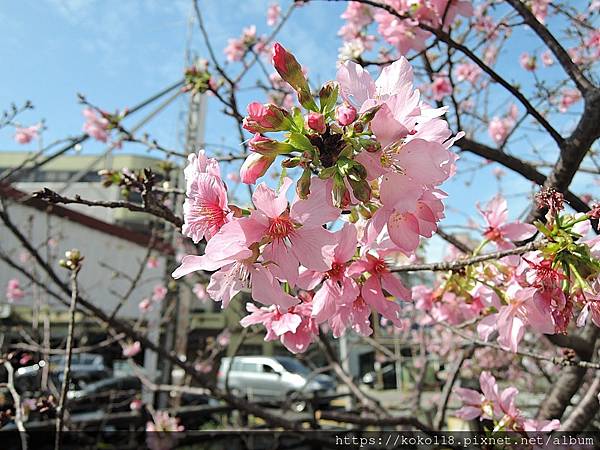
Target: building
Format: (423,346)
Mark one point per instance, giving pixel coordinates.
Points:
(77,174)
(108,249)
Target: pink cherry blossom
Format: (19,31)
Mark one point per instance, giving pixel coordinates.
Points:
(205,208)
(229,251)
(295,328)
(500,128)
(130,350)
(295,236)
(159,292)
(476,404)
(24,135)
(223,338)
(345,114)
(237,47)
(163,422)
(380,279)
(440,87)
(145,305)
(591,300)
(273,14)
(539,8)
(497,228)
(136,405)
(358,14)
(13,291)
(468,71)
(547,58)
(235,50)
(200,292)
(95,125)
(152,262)
(405,35)
(569,97)
(511,319)
(355,314)
(338,289)
(499,407)
(528,62)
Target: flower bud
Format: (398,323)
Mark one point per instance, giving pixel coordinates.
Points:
(290,163)
(316,122)
(360,189)
(345,114)
(328,96)
(303,184)
(263,118)
(339,190)
(255,167)
(359,127)
(288,68)
(268,147)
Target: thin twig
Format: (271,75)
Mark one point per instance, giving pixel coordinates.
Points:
(67,370)
(17,401)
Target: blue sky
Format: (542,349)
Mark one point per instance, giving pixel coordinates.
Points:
(118,52)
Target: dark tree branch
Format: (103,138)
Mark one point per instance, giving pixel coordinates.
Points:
(585,411)
(571,378)
(447,39)
(459,264)
(154,208)
(583,84)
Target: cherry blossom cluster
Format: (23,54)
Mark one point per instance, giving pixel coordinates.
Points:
(405,26)
(370,156)
(499,407)
(402,32)
(541,290)
(238,48)
(24,135)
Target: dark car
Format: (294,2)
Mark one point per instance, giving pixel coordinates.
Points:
(113,394)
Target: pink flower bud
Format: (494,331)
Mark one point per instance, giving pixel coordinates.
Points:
(288,68)
(316,122)
(268,147)
(263,118)
(255,167)
(345,114)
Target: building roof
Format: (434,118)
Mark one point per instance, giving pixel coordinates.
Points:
(80,161)
(136,237)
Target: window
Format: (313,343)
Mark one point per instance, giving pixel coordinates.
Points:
(293,366)
(266,368)
(244,366)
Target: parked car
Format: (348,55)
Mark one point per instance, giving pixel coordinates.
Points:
(85,368)
(113,394)
(275,379)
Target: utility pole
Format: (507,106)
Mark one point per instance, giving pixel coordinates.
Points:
(178,302)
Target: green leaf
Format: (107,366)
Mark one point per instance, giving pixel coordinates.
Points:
(298,119)
(328,172)
(301,142)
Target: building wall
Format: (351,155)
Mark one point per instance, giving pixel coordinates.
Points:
(96,282)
